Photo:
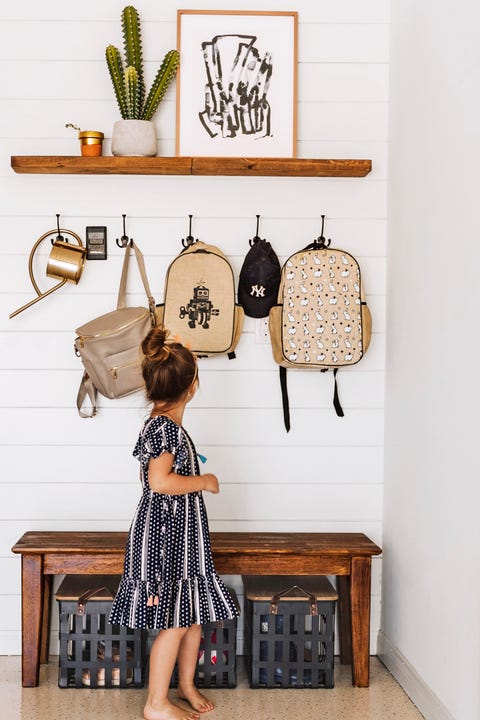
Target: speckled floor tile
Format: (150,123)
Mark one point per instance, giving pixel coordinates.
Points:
(383,700)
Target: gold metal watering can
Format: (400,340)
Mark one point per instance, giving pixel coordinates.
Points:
(65,262)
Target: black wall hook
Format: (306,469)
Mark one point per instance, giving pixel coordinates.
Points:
(189,240)
(61,238)
(124,240)
(321,241)
(59,234)
(256,237)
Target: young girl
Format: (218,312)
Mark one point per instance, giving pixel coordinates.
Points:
(169,579)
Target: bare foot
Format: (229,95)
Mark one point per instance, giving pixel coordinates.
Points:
(199,702)
(167,711)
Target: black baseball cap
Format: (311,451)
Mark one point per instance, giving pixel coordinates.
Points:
(259,279)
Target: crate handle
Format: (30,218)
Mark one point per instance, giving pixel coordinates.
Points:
(82,600)
(276,599)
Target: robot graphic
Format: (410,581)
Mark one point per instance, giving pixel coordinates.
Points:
(199,308)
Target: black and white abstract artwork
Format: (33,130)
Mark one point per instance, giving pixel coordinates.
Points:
(236,88)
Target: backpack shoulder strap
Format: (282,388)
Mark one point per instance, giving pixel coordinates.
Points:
(87,388)
(336,400)
(285,403)
(122,290)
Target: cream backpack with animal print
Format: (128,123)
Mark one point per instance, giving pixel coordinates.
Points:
(321,320)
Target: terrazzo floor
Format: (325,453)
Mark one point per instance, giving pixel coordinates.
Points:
(383,700)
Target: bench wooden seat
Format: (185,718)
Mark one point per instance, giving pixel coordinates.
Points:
(346,555)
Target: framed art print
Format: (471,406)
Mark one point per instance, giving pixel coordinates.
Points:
(237,83)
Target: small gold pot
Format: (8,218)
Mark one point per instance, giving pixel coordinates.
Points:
(90,143)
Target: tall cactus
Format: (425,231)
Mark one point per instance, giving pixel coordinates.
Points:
(128,83)
(132,43)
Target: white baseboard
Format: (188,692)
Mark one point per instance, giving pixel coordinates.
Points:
(417,690)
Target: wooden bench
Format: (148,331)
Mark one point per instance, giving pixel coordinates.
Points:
(346,555)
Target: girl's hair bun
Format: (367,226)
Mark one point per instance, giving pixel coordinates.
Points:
(168,367)
(155,347)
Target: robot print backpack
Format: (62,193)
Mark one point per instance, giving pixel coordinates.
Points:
(199,301)
(321,320)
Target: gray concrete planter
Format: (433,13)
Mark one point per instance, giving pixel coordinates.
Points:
(134,138)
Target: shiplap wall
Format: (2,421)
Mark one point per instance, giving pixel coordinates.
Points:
(62,472)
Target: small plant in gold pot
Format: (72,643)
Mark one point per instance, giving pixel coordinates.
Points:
(137,108)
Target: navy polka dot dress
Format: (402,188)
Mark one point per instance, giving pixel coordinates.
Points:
(169,578)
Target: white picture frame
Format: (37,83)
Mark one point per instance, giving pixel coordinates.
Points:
(236,84)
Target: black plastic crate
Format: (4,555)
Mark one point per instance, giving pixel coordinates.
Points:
(217,661)
(93,653)
(292,645)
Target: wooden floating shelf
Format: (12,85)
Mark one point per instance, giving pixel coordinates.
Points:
(281,167)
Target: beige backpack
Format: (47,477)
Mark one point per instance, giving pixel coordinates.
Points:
(321,321)
(199,302)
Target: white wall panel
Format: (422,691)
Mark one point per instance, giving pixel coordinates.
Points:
(55,352)
(72,79)
(10,613)
(244,465)
(343,42)
(94,195)
(343,82)
(11,577)
(234,426)
(33,388)
(60,472)
(370,11)
(298,501)
(360,121)
(83,40)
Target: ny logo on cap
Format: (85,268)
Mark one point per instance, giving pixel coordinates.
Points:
(258,291)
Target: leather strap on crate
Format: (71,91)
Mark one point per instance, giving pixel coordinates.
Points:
(309,596)
(87,595)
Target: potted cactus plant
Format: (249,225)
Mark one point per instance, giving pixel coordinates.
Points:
(135,134)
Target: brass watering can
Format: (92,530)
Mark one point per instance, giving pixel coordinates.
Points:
(65,263)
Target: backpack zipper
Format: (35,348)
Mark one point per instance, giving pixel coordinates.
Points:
(114,370)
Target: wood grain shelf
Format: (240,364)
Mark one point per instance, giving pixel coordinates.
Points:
(280,167)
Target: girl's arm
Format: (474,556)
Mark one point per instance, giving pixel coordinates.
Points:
(162,480)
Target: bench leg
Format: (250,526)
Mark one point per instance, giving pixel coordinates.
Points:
(360,578)
(344,622)
(45,636)
(32,615)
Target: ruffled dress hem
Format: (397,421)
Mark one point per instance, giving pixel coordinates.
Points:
(180,603)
